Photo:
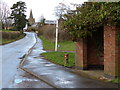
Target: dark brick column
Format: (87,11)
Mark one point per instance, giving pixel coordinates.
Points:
(81,54)
(111,51)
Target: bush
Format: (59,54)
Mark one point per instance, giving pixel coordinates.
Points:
(63,36)
(32,29)
(10,35)
(48,31)
(90,17)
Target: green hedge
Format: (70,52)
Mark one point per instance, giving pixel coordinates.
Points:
(10,35)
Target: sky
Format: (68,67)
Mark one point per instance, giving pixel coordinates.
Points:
(44,8)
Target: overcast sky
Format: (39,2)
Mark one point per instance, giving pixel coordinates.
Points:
(43,7)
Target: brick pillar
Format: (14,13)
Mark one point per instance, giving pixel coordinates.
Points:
(111,51)
(81,54)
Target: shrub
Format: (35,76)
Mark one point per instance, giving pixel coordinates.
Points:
(32,29)
(10,35)
(63,36)
(90,17)
(48,31)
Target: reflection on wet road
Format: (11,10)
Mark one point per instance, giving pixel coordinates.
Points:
(25,80)
(58,75)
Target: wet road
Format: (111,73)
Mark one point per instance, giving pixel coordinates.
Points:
(58,75)
(25,80)
(11,54)
(0,68)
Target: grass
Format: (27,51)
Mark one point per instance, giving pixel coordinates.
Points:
(58,58)
(7,30)
(64,46)
(117,80)
(47,45)
(6,41)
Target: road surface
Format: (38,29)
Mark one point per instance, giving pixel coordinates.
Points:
(0,68)
(11,54)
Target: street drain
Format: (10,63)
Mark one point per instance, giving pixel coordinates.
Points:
(18,81)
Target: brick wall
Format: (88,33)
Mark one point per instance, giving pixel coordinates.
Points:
(118,55)
(88,56)
(81,54)
(94,56)
(111,51)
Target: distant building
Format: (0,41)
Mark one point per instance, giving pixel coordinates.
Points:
(31,20)
(32,25)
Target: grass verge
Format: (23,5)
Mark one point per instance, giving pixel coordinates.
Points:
(6,41)
(7,30)
(117,80)
(58,58)
(64,46)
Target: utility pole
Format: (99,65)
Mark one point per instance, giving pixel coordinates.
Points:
(56,39)
(0,25)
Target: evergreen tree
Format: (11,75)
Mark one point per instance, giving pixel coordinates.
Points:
(18,15)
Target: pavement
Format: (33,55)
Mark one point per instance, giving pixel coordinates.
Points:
(57,76)
(94,74)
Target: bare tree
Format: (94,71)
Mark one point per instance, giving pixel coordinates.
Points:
(42,19)
(0,15)
(0,22)
(61,9)
(4,14)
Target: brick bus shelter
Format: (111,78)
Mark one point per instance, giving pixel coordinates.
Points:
(105,57)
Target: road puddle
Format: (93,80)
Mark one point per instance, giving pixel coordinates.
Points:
(16,81)
(45,73)
(48,65)
(62,80)
(30,57)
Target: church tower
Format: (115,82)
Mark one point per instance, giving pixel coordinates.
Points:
(31,20)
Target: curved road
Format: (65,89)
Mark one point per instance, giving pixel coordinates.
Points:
(11,54)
